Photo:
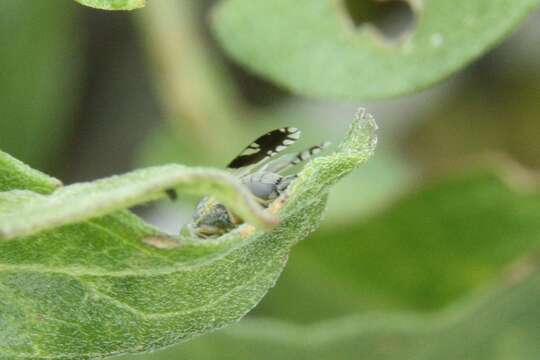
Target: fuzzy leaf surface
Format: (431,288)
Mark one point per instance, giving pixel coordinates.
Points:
(25,212)
(501,323)
(90,286)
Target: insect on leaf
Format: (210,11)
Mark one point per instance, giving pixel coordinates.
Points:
(82,278)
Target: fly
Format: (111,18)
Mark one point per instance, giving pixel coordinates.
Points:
(264,179)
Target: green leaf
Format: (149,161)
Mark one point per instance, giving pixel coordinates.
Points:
(432,247)
(312,47)
(113,4)
(113,284)
(435,249)
(501,323)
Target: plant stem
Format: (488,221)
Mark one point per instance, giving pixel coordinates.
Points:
(197,95)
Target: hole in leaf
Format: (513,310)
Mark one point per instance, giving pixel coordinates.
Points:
(393,19)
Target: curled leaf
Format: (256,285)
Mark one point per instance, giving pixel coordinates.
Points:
(93,280)
(24,212)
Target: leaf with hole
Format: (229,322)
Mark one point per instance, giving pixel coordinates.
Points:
(313,47)
(82,278)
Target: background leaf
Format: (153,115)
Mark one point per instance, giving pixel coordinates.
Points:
(313,47)
(97,288)
(429,249)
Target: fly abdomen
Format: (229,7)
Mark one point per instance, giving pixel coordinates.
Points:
(266,186)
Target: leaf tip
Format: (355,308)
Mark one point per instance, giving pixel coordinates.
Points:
(362,135)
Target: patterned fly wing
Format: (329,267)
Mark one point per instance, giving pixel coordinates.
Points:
(309,153)
(261,149)
(265,147)
(288,161)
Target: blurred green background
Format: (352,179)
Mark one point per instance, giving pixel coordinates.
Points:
(431,222)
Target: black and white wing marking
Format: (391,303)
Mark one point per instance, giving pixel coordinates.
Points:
(265,147)
(288,161)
